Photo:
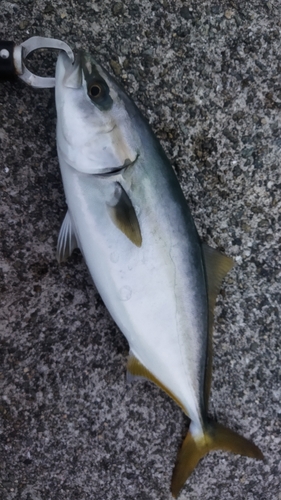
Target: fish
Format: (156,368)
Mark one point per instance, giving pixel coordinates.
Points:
(129,217)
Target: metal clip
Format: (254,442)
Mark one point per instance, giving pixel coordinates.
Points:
(37,42)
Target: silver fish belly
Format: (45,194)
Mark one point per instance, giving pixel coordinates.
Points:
(128,216)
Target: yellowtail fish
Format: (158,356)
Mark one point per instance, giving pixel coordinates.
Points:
(129,217)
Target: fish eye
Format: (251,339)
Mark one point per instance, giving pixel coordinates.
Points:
(95,90)
(98,92)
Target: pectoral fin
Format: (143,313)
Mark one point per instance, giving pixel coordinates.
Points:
(217,266)
(123,215)
(67,241)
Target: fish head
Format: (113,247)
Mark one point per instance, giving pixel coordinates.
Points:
(95,127)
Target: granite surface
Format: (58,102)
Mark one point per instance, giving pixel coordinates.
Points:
(208,77)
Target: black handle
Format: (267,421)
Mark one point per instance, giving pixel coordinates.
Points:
(7,65)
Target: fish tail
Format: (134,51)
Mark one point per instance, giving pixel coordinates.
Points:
(215,437)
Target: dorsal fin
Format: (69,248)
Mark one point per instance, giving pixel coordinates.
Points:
(137,369)
(216,266)
(124,217)
(67,241)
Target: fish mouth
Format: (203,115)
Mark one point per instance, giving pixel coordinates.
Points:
(77,72)
(71,72)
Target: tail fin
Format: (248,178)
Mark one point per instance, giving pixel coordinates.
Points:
(216,437)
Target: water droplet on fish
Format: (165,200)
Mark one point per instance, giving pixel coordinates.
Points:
(114,257)
(125,293)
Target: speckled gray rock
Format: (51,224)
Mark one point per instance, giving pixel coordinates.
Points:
(208,77)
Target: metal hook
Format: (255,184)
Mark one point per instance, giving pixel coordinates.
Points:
(12,59)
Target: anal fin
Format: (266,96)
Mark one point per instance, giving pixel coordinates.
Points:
(136,369)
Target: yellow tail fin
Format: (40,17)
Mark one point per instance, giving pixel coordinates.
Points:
(215,437)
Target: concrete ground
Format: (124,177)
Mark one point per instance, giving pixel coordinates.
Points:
(208,77)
